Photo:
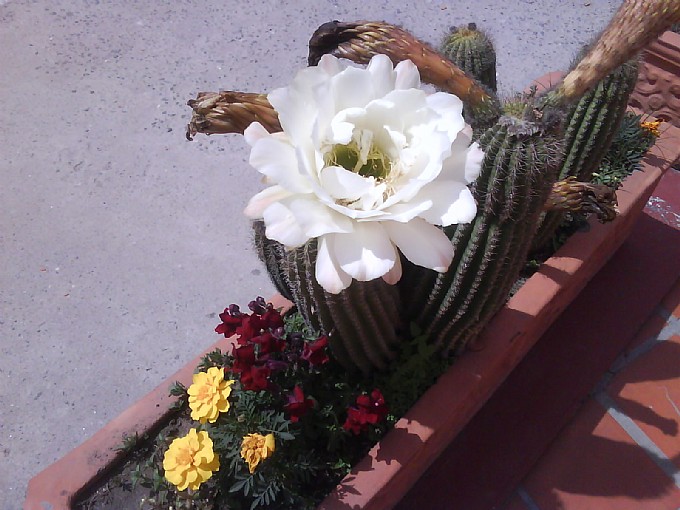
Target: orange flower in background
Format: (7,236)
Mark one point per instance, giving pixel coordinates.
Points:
(208,395)
(190,460)
(652,126)
(255,448)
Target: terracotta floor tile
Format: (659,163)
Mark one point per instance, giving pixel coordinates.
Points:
(671,302)
(595,465)
(648,391)
(650,329)
(515,503)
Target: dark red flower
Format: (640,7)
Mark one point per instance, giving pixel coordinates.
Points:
(297,404)
(369,410)
(271,319)
(263,319)
(315,353)
(244,358)
(268,344)
(256,378)
(231,320)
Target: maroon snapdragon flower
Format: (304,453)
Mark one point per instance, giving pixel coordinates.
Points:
(252,376)
(231,318)
(246,326)
(298,404)
(256,378)
(369,410)
(315,353)
(268,344)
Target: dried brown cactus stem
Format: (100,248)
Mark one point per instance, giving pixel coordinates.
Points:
(230,112)
(569,195)
(635,24)
(361,40)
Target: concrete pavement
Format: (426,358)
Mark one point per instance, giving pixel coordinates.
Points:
(120,240)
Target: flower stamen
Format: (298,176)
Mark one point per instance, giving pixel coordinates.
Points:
(365,159)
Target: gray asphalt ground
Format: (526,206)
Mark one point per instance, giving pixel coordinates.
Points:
(120,241)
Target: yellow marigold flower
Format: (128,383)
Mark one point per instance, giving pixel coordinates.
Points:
(255,448)
(652,126)
(208,395)
(190,460)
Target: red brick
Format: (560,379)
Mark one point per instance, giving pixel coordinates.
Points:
(648,391)
(595,465)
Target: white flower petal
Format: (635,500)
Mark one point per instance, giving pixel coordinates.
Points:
(423,244)
(473,162)
(330,64)
(382,74)
(408,76)
(281,226)
(264,199)
(465,161)
(277,160)
(342,184)
(452,202)
(405,211)
(314,218)
(352,88)
(327,272)
(394,274)
(254,132)
(450,109)
(366,253)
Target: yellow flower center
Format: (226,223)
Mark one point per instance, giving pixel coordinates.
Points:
(206,393)
(185,456)
(366,161)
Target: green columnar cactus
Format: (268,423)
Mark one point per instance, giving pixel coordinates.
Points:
(362,322)
(472,51)
(519,169)
(590,127)
(593,122)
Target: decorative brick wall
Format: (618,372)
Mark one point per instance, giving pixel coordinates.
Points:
(658,88)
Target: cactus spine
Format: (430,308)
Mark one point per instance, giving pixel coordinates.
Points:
(518,171)
(472,51)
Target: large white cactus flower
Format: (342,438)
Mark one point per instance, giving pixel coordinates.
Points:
(368,163)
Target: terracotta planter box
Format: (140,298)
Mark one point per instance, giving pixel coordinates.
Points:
(381,479)
(391,468)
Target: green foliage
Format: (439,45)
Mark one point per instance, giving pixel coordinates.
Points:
(625,154)
(417,367)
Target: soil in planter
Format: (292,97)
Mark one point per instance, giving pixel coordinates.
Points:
(128,486)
